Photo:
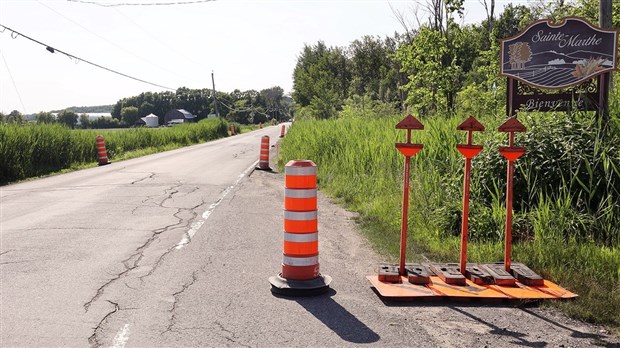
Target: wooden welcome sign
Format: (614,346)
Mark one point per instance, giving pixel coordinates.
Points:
(564,57)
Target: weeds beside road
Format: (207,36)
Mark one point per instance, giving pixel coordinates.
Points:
(567,195)
(39,149)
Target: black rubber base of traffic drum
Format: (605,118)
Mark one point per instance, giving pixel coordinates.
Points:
(287,287)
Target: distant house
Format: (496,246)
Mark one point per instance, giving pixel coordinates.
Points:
(178,116)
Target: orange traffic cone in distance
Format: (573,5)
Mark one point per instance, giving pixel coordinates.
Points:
(102,154)
(263,160)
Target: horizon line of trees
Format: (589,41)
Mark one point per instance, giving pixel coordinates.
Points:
(66,117)
(244,107)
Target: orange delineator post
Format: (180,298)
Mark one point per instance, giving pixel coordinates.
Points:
(468,150)
(263,160)
(300,256)
(282,131)
(102,154)
(408,150)
(511,153)
(486,281)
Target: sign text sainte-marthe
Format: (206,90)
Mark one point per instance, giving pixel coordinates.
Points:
(554,56)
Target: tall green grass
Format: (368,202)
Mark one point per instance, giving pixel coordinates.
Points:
(567,199)
(34,150)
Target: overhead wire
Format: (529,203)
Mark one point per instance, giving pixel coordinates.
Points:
(111,42)
(154,38)
(51,49)
(103,4)
(13,81)
(253,109)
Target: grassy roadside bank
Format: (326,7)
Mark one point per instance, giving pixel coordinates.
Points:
(35,150)
(567,199)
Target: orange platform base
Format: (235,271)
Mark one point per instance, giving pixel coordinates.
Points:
(438,289)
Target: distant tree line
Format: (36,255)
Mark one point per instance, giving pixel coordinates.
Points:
(245,107)
(67,117)
(88,109)
(438,67)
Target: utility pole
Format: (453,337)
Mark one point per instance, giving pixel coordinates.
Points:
(605,21)
(604,13)
(604,17)
(217,112)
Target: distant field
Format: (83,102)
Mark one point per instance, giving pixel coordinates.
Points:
(34,150)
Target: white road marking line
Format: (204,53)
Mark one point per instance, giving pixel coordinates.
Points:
(121,337)
(197,224)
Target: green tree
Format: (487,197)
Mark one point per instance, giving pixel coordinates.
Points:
(14,117)
(2,117)
(589,9)
(146,108)
(84,121)
(45,117)
(373,70)
(434,73)
(129,115)
(105,122)
(512,20)
(271,99)
(321,78)
(68,118)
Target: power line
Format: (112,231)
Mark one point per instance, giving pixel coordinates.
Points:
(51,49)
(112,43)
(13,80)
(142,4)
(154,38)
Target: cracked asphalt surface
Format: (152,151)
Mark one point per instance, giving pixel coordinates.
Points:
(175,249)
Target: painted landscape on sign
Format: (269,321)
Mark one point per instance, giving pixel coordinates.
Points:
(561,56)
(553,69)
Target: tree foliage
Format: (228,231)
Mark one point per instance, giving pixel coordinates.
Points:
(321,79)
(239,106)
(14,117)
(436,68)
(325,77)
(68,118)
(45,117)
(129,115)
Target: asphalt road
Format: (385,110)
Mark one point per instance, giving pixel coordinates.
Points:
(175,249)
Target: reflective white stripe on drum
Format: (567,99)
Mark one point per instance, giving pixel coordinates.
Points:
(303,215)
(299,193)
(300,170)
(301,237)
(300,261)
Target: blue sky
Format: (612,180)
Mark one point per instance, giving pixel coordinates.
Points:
(248,45)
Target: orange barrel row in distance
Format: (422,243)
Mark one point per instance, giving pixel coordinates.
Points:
(282,131)
(263,159)
(102,154)
(301,243)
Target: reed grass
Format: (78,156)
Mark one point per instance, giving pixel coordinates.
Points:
(567,199)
